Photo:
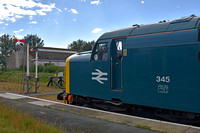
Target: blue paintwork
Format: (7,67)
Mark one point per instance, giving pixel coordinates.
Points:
(152,50)
(116,67)
(178,62)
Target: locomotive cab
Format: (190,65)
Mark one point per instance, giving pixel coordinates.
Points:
(106,64)
(109,54)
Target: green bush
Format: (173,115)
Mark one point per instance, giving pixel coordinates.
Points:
(47,69)
(13,76)
(60,69)
(51,69)
(20,68)
(1,72)
(40,68)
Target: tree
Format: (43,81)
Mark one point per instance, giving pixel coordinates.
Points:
(77,45)
(88,46)
(7,45)
(193,15)
(81,45)
(33,40)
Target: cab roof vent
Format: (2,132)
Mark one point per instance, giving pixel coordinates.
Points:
(137,25)
(181,20)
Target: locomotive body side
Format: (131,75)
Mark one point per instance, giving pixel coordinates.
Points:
(163,74)
(153,65)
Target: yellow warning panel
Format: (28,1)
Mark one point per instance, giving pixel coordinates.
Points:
(125,52)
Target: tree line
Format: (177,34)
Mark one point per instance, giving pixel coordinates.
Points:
(81,45)
(8,45)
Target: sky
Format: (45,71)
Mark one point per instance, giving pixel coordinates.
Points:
(60,22)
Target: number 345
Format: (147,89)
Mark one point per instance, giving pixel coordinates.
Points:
(163,79)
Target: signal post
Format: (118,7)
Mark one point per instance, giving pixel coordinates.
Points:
(28,76)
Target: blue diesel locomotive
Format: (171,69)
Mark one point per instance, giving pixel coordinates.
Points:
(156,66)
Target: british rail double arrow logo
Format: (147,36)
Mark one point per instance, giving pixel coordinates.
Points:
(99,74)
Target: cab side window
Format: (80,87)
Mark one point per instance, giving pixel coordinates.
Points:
(100,52)
(119,49)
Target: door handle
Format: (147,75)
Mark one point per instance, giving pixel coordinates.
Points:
(116,64)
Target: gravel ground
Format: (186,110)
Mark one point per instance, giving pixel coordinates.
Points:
(72,122)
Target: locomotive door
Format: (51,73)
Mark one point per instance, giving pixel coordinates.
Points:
(100,66)
(116,58)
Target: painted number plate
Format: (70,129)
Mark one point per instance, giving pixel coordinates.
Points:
(163,88)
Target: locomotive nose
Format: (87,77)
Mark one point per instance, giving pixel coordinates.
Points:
(61,95)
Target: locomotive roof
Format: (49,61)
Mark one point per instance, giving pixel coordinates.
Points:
(175,25)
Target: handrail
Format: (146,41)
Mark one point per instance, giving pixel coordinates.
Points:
(111,74)
(121,72)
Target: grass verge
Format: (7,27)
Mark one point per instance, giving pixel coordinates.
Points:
(13,121)
(13,81)
(143,126)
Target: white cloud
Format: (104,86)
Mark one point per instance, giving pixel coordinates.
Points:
(40,12)
(33,22)
(47,8)
(59,9)
(65,8)
(83,0)
(95,2)
(16,32)
(74,11)
(13,19)
(30,17)
(1,22)
(11,10)
(18,16)
(142,2)
(6,24)
(19,36)
(97,30)
(74,20)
